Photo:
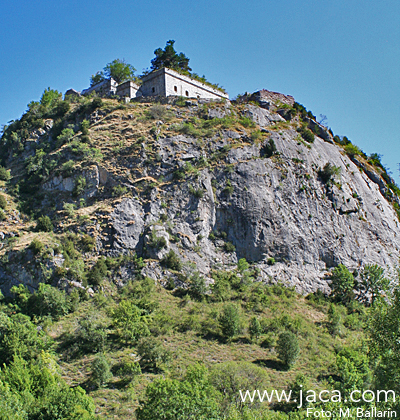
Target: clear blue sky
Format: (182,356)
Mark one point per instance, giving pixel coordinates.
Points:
(340,58)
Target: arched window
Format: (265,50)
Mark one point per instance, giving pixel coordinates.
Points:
(176,88)
(187,93)
(153,89)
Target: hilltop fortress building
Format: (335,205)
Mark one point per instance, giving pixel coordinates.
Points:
(163,82)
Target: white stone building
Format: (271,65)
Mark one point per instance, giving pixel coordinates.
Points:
(163,82)
(167,82)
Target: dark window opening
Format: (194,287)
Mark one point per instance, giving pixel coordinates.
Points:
(175,88)
(153,89)
(187,93)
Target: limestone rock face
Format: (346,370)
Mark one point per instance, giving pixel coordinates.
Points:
(229,191)
(275,208)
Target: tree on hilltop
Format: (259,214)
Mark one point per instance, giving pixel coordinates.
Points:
(168,57)
(118,69)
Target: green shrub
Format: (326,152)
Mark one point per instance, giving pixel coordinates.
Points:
(88,242)
(157,242)
(256,135)
(129,369)
(4,174)
(153,354)
(269,149)
(97,103)
(306,134)
(2,215)
(255,328)
(91,335)
(172,261)
(119,190)
(352,150)
(69,208)
(80,185)
(288,348)
(67,168)
(130,322)
(101,371)
(157,112)
(197,286)
(44,224)
(36,246)
(271,261)
(192,398)
(198,193)
(85,127)
(229,321)
(342,284)
(229,247)
(328,172)
(65,136)
(3,202)
(49,301)
(98,272)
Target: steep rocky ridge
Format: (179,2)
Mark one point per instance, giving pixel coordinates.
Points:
(214,182)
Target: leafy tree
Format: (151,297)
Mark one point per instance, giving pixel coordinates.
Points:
(3,202)
(191,399)
(120,71)
(197,286)
(35,390)
(255,328)
(372,284)
(130,322)
(342,284)
(230,377)
(4,174)
(384,330)
(288,348)
(168,57)
(352,369)
(50,98)
(152,352)
(91,334)
(97,78)
(172,261)
(19,337)
(98,272)
(101,371)
(229,320)
(335,325)
(44,224)
(49,301)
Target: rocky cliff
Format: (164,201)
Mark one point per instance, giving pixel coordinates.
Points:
(258,179)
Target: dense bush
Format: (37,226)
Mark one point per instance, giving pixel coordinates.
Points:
(98,272)
(306,134)
(91,334)
(229,321)
(44,224)
(4,174)
(192,398)
(153,354)
(172,261)
(79,187)
(268,149)
(35,390)
(254,328)
(19,336)
(3,202)
(36,246)
(342,284)
(328,172)
(288,348)
(130,322)
(101,371)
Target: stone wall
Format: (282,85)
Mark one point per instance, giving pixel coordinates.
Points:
(105,88)
(167,82)
(128,89)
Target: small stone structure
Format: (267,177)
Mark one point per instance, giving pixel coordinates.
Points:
(167,82)
(163,82)
(107,87)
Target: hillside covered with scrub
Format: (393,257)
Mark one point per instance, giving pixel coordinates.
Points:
(158,256)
